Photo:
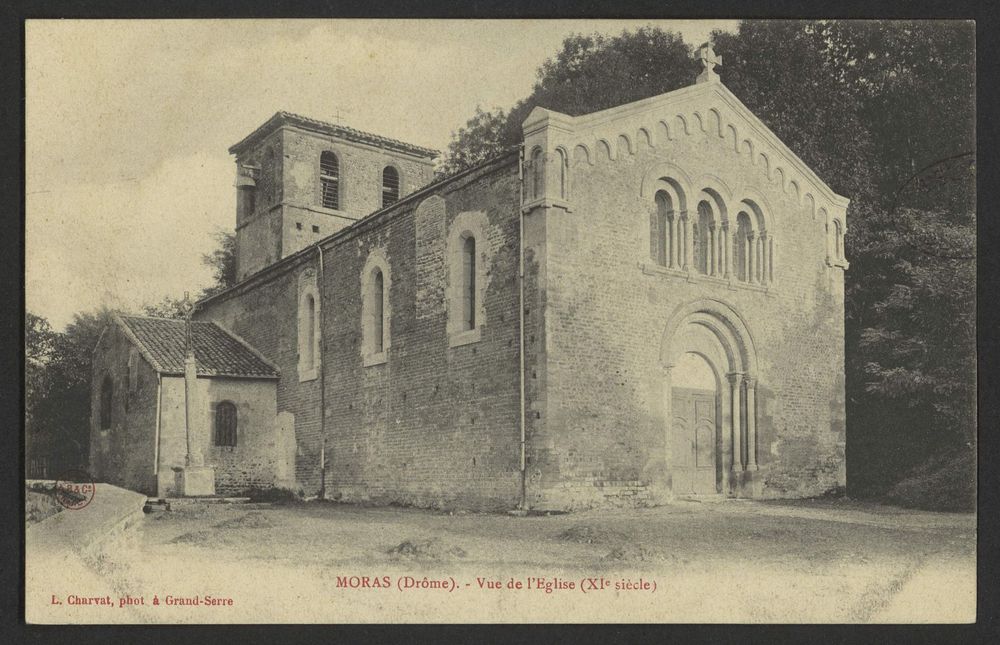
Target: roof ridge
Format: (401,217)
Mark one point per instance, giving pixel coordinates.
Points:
(220,349)
(419,193)
(345,129)
(144,317)
(164,318)
(147,353)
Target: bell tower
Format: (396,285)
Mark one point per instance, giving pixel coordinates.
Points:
(299,180)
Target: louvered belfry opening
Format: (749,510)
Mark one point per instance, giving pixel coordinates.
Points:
(329,176)
(390,186)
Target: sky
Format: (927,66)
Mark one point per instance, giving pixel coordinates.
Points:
(129,122)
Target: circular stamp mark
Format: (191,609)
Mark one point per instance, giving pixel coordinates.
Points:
(75,489)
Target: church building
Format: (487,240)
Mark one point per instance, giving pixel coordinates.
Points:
(638,304)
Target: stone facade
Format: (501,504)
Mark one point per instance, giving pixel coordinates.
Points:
(123,452)
(140,442)
(643,303)
(619,313)
(280,207)
(434,423)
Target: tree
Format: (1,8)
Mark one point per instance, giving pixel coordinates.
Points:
(884,112)
(590,73)
(478,141)
(887,120)
(58,368)
(168,307)
(59,416)
(222,261)
(39,343)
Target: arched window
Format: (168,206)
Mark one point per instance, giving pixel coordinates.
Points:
(661,234)
(225,424)
(469,257)
(704,236)
(469,283)
(376,287)
(743,246)
(378,312)
(107,400)
(329,179)
(563,171)
(309,342)
(308,329)
(390,186)
(838,240)
(537,173)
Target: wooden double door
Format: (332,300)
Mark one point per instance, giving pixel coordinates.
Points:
(694,443)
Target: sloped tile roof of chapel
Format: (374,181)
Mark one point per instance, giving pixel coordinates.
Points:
(217,351)
(333,129)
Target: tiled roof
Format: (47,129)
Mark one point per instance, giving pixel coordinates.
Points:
(217,351)
(334,129)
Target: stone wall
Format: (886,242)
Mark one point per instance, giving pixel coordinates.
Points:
(360,172)
(288,212)
(123,454)
(436,424)
(603,432)
(252,462)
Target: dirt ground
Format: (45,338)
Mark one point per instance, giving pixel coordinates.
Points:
(733,561)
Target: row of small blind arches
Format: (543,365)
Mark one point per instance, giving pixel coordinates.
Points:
(329,175)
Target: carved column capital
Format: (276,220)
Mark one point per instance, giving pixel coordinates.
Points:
(734,378)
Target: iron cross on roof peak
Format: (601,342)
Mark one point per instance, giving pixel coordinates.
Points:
(709,60)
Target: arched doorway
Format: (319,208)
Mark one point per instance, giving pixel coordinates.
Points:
(695,430)
(709,404)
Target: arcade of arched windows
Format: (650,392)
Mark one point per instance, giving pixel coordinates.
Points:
(710,242)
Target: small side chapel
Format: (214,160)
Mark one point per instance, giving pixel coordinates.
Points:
(639,304)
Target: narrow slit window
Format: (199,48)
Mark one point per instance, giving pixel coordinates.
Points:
(378,318)
(536,173)
(390,186)
(308,345)
(329,177)
(469,283)
(838,240)
(661,231)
